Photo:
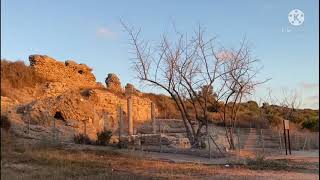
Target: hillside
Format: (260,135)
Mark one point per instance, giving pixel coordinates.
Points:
(68,91)
(250,114)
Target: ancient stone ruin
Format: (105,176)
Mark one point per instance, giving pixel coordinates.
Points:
(72,97)
(69,72)
(113,83)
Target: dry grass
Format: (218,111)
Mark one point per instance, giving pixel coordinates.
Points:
(260,162)
(22,160)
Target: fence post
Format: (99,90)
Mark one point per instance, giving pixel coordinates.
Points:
(297,141)
(139,141)
(317,140)
(285,137)
(160,137)
(289,143)
(209,146)
(239,145)
(308,143)
(153,119)
(262,140)
(305,142)
(280,141)
(120,122)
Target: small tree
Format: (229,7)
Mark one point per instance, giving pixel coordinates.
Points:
(238,83)
(289,103)
(188,69)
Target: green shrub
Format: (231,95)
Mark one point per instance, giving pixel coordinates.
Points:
(274,119)
(5,123)
(82,139)
(103,137)
(311,124)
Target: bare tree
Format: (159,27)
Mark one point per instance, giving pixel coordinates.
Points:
(290,103)
(187,66)
(239,82)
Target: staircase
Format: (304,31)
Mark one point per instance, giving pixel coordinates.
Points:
(259,140)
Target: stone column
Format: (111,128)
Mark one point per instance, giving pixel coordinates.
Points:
(106,121)
(153,119)
(130,120)
(120,122)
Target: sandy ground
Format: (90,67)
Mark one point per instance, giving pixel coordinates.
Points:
(309,156)
(104,162)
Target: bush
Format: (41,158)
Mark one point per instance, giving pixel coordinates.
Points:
(5,123)
(260,163)
(103,137)
(253,106)
(122,144)
(274,119)
(82,139)
(311,124)
(18,75)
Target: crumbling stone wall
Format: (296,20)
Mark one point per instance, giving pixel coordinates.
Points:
(113,83)
(73,98)
(70,73)
(75,108)
(109,102)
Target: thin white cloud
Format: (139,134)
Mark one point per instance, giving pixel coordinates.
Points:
(312,101)
(307,85)
(105,32)
(314,98)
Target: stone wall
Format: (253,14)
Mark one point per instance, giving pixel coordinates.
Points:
(70,73)
(109,102)
(73,97)
(97,108)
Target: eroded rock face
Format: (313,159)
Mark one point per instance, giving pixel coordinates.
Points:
(113,82)
(98,109)
(130,89)
(74,99)
(70,73)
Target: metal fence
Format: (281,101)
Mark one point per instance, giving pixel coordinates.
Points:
(272,141)
(173,139)
(168,135)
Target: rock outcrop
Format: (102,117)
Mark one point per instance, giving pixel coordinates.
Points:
(113,83)
(130,89)
(70,73)
(74,99)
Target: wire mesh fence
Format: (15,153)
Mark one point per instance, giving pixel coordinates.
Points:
(269,140)
(168,135)
(173,139)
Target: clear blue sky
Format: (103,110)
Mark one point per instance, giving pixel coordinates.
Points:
(90,32)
